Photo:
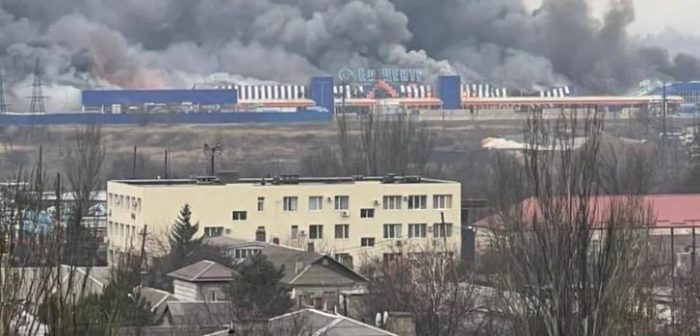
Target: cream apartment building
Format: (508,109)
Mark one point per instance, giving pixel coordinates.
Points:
(354,218)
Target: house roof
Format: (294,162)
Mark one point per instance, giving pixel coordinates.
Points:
(157,298)
(203,271)
(668,210)
(295,261)
(200,313)
(319,322)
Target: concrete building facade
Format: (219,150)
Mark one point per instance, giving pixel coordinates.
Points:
(357,218)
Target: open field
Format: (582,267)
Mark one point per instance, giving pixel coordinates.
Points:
(251,149)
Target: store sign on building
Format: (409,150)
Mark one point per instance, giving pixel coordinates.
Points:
(393,75)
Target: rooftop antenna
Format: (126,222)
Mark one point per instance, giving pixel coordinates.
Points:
(3,105)
(37,99)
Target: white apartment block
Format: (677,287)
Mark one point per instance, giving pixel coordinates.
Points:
(354,217)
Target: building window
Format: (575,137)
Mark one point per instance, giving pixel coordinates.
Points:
(342,202)
(417,230)
(367,242)
(417,201)
(442,230)
(342,231)
(392,202)
(392,231)
(315,231)
(240,215)
(442,201)
(366,213)
(213,231)
(315,203)
(295,231)
(212,295)
(290,203)
(261,203)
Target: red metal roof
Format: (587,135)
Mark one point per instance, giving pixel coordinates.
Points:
(669,210)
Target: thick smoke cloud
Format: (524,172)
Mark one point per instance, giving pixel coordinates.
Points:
(176,43)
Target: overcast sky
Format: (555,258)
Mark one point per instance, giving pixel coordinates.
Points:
(653,16)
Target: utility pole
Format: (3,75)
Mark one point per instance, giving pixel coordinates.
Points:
(212,152)
(133,164)
(40,167)
(142,258)
(3,105)
(165,165)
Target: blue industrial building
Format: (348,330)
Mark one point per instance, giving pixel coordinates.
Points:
(690,91)
(125,101)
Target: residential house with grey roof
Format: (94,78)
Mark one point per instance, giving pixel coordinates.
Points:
(316,280)
(309,322)
(204,280)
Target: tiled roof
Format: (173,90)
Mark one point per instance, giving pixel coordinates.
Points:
(202,271)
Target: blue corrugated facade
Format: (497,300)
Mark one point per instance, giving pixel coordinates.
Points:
(135,97)
(161,118)
(690,91)
(321,90)
(449,91)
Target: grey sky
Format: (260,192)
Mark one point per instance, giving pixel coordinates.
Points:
(654,16)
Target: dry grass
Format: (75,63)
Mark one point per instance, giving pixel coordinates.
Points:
(252,149)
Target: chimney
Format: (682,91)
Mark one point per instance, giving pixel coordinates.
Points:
(310,247)
(400,323)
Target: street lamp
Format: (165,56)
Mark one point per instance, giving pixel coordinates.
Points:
(212,151)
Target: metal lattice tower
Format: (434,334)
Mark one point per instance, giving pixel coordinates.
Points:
(3,105)
(37,100)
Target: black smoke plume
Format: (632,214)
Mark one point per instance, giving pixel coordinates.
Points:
(176,43)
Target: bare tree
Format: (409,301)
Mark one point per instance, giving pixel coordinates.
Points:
(31,273)
(83,167)
(427,282)
(571,260)
(376,145)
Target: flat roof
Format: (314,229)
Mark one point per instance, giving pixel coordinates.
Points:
(281,180)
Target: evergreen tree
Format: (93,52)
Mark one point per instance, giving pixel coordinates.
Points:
(119,305)
(182,241)
(256,291)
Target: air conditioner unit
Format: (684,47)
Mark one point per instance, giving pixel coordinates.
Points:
(228,231)
(376,203)
(345,214)
(329,199)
